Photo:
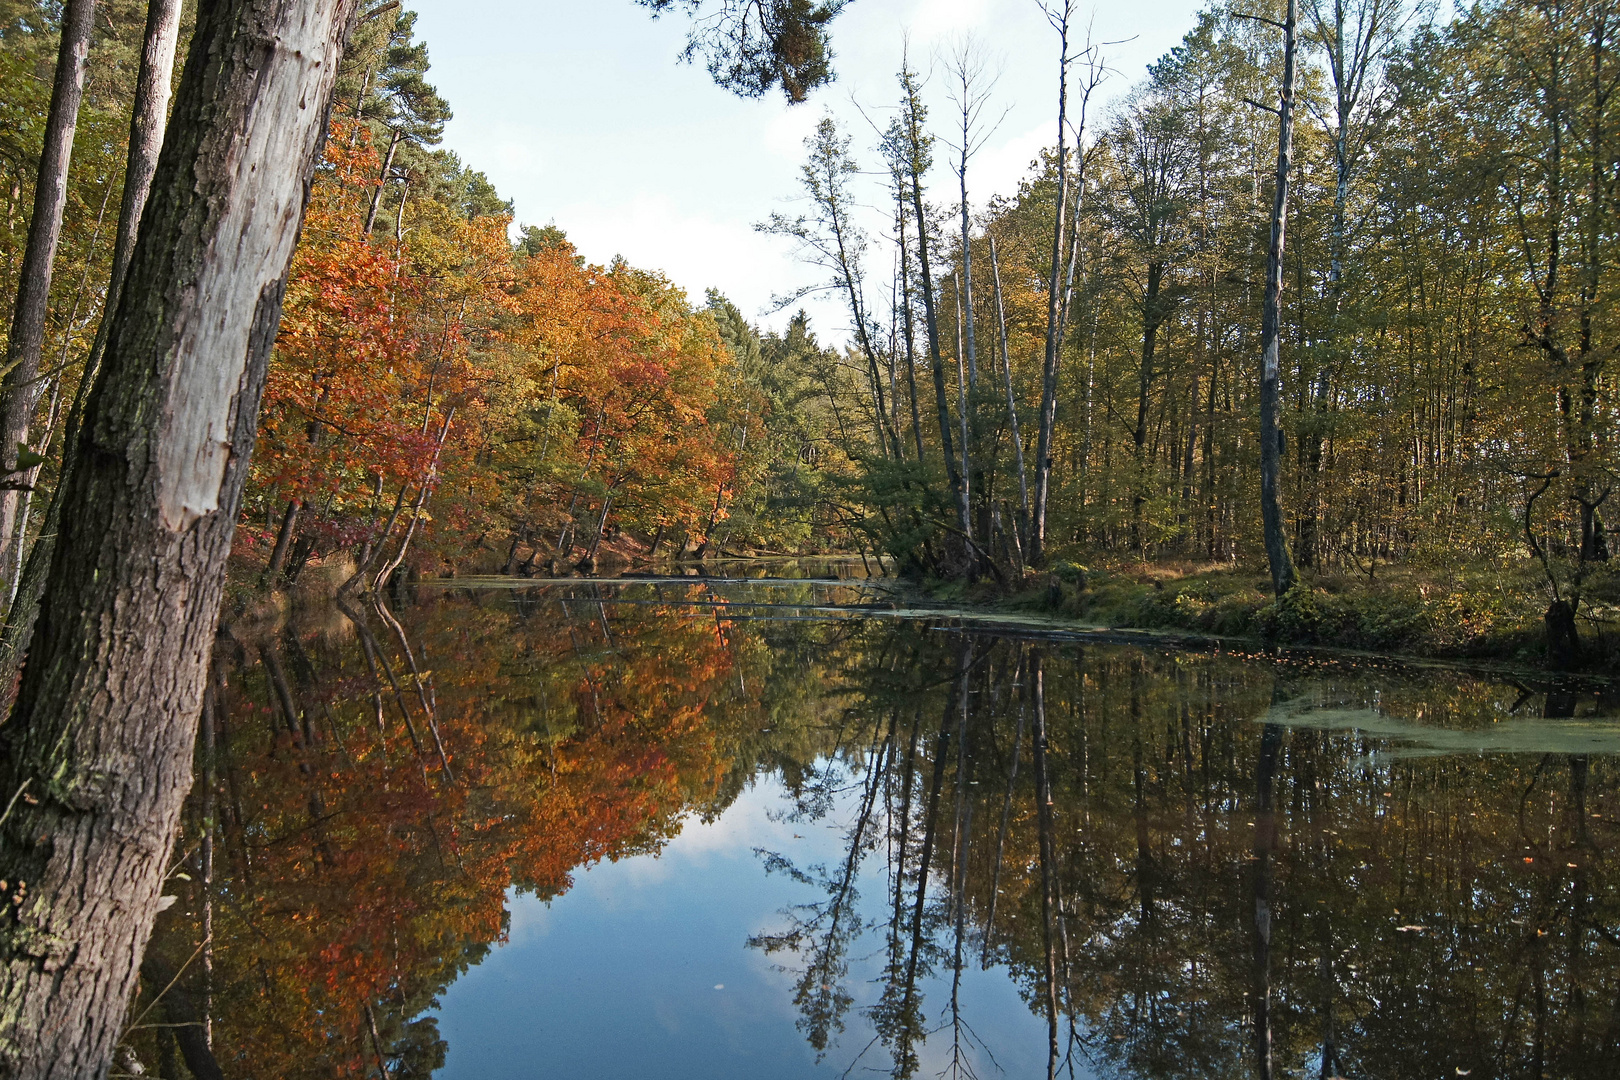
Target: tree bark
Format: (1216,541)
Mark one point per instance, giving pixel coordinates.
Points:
(278,554)
(19,391)
(102,735)
(1012,402)
(1282,564)
(382,182)
(1152,300)
(148,122)
(907,324)
(1047,419)
(917,164)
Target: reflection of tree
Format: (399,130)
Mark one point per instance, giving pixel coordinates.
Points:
(372,785)
(1107,831)
(1194,894)
(822,931)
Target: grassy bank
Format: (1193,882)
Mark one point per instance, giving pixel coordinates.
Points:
(1478,613)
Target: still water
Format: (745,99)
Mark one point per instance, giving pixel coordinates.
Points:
(790,827)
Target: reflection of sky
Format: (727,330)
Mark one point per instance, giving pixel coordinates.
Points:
(641,970)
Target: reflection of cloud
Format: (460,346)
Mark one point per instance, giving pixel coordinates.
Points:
(734,835)
(743,827)
(531,918)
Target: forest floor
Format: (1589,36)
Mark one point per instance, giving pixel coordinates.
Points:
(1490,613)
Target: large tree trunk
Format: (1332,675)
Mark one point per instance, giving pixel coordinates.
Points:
(19,391)
(100,742)
(148,121)
(1282,564)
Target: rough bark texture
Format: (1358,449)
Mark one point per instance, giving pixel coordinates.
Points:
(1282,564)
(99,746)
(148,121)
(20,389)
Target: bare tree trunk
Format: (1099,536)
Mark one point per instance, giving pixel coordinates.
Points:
(962,405)
(1036,546)
(148,122)
(278,554)
(907,322)
(382,182)
(19,390)
(102,736)
(1282,564)
(1012,403)
(918,154)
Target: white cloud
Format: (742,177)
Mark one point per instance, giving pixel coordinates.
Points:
(696,250)
(580,115)
(936,18)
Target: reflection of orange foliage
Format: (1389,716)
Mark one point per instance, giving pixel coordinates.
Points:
(355,872)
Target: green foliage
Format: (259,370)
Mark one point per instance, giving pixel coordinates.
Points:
(754,46)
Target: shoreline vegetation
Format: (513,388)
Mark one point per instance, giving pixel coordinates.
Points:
(1479,618)
(1114,396)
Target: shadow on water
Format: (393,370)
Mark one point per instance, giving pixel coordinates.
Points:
(1186,864)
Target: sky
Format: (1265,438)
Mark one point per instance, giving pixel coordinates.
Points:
(580,112)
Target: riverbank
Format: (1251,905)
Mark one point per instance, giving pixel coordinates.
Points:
(1480,614)
(1461,613)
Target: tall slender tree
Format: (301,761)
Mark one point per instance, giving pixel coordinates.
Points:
(19,389)
(912,133)
(1283,575)
(148,120)
(1060,16)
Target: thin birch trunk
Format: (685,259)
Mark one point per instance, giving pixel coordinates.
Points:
(382,181)
(148,122)
(19,389)
(1036,547)
(421,502)
(1012,402)
(1276,537)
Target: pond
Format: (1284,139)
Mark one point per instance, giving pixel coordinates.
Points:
(793,827)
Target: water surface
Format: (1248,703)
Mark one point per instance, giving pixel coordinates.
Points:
(782,824)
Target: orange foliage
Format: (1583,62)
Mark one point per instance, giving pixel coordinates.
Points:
(517,388)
